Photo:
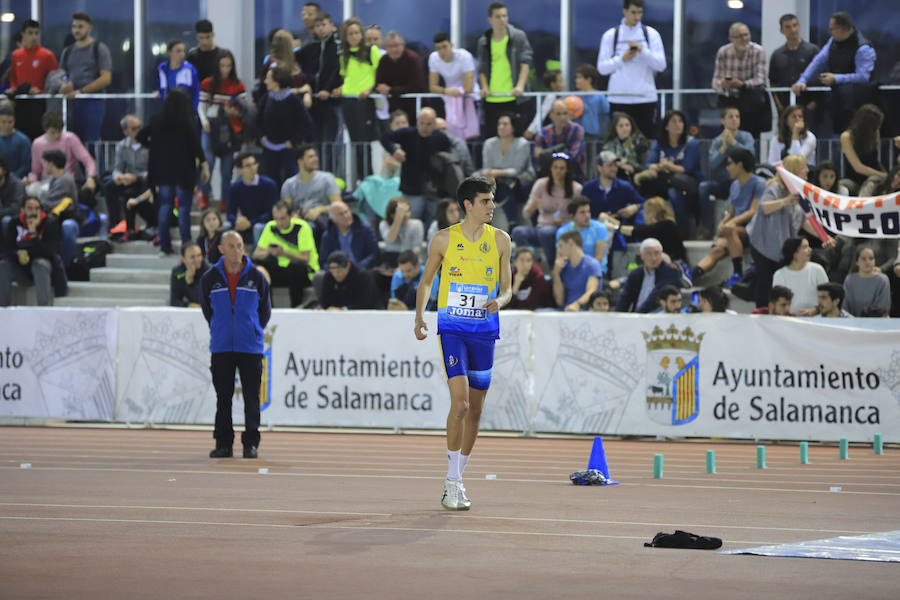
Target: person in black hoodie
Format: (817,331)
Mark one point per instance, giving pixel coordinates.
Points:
(319,62)
(31,245)
(175,150)
(184,284)
(284,124)
(346,286)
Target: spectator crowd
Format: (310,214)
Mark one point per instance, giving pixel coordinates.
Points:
(577,182)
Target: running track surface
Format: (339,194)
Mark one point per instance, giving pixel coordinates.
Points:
(106,513)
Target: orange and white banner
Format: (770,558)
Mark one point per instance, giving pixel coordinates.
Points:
(870,217)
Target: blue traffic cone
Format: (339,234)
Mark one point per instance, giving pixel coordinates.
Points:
(598,460)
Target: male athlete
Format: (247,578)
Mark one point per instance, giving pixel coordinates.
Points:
(475,283)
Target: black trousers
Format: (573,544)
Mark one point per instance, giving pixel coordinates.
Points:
(765,271)
(295,277)
(492,112)
(222,366)
(643,114)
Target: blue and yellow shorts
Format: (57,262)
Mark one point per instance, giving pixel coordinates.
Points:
(469,356)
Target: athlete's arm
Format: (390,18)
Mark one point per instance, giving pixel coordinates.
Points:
(436,251)
(504,248)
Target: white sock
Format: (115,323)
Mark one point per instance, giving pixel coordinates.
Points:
(463,461)
(453,464)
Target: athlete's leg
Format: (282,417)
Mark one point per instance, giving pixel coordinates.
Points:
(473,417)
(459,407)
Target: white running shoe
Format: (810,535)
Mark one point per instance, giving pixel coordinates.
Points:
(462,501)
(449,499)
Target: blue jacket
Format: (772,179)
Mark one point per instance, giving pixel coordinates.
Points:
(363,244)
(620,195)
(184,76)
(237,326)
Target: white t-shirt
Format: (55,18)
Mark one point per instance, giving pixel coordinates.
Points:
(453,71)
(803,283)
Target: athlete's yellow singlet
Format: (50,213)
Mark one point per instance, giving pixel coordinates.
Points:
(470,276)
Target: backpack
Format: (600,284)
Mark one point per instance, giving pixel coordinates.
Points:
(57,77)
(602,83)
(88,255)
(446,173)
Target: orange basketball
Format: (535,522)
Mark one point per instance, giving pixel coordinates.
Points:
(576,106)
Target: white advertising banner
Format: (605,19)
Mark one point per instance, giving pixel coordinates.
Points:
(57,363)
(716,376)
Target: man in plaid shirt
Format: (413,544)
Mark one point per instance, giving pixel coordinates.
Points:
(561,131)
(739,78)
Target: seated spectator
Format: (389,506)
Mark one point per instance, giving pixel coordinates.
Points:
(879,187)
(73,150)
(351,235)
(346,285)
(129,178)
(595,119)
(405,283)
(447,215)
(826,177)
(458,144)
(743,199)
(575,275)
(792,137)
(31,244)
(184,283)
(719,182)
(310,191)
(506,159)
(594,236)
(211,229)
(554,82)
(399,72)
(639,294)
(859,148)
(414,147)
(673,167)
(252,197)
(146,206)
(829,298)
(61,198)
(779,302)
(457,67)
(286,250)
(12,195)
(400,231)
(660,225)
(599,301)
(626,141)
(562,135)
(222,97)
(609,194)
(866,285)
(670,300)
(549,197)
(529,286)
(714,299)
(800,275)
(894,277)
(14,144)
(284,124)
(777,218)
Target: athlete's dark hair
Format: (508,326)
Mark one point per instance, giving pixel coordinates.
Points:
(471,187)
(743,157)
(786,18)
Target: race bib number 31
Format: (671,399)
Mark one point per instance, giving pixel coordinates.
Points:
(465,301)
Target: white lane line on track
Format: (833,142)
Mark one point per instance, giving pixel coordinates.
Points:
(199,508)
(638,523)
(431,477)
(354,527)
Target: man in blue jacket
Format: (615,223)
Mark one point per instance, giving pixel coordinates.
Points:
(641,290)
(237,306)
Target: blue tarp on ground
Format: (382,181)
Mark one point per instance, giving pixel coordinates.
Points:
(878,547)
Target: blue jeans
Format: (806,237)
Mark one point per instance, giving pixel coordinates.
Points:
(87,117)
(542,235)
(226,168)
(167,194)
(709,189)
(69,235)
